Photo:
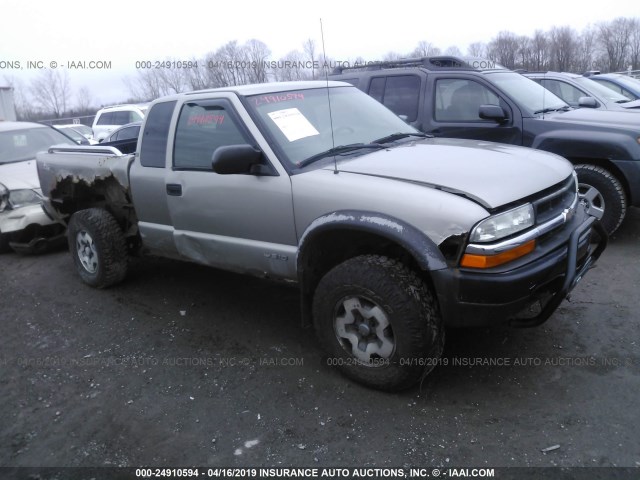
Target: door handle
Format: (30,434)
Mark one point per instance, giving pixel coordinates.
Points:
(174,189)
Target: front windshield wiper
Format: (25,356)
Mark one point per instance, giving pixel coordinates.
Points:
(340,149)
(397,136)
(553,109)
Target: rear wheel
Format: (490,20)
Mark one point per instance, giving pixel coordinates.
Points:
(603,195)
(98,247)
(379,322)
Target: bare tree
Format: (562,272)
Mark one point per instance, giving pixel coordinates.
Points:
(614,38)
(586,50)
(391,56)
(425,49)
(562,46)
(309,48)
(504,49)
(634,44)
(258,54)
(290,67)
(25,109)
(84,100)
(539,46)
(51,91)
(453,51)
(477,49)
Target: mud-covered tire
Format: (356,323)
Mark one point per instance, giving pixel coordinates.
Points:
(601,190)
(395,306)
(98,247)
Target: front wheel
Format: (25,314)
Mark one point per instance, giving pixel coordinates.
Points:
(98,247)
(379,322)
(603,195)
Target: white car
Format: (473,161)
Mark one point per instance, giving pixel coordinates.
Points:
(72,129)
(109,118)
(24,226)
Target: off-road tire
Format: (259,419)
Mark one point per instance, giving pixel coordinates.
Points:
(104,251)
(610,190)
(406,302)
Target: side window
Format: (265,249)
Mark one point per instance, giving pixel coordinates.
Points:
(566,92)
(126,133)
(156,132)
(400,94)
(134,117)
(106,118)
(121,118)
(459,100)
(202,128)
(376,88)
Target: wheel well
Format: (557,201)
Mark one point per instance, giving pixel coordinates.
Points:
(72,195)
(330,248)
(607,165)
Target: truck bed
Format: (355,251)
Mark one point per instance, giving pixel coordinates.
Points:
(82,164)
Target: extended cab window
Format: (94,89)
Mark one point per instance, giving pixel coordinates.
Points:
(153,150)
(459,100)
(400,94)
(202,128)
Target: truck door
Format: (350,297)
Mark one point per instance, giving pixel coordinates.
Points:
(453,111)
(240,222)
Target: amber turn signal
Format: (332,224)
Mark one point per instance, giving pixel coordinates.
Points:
(488,261)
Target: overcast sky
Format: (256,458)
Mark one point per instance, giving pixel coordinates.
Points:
(124,32)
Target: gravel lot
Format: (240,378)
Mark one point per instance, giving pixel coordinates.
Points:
(184,366)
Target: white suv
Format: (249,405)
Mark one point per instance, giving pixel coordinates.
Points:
(109,118)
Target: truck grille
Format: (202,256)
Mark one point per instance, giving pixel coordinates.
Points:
(555,202)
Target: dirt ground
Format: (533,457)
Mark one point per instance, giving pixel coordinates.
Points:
(183,365)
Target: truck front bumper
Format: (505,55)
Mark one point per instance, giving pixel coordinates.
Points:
(527,294)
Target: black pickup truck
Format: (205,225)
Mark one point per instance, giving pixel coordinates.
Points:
(478,99)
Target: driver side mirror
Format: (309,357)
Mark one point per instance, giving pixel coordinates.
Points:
(492,112)
(240,160)
(588,102)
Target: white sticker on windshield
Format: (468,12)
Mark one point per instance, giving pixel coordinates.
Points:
(293,124)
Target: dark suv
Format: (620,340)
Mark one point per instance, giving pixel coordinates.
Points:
(479,99)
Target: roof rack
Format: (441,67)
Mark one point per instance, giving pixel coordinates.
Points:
(428,63)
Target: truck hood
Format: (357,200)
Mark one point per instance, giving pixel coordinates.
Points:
(634,104)
(491,174)
(597,118)
(20,175)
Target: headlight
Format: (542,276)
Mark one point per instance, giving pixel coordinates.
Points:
(10,199)
(504,224)
(20,198)
(4,198)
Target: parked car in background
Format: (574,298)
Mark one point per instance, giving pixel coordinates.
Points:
(24,226)
(623,84)
(84,130)
(126,132)
(76,135)
(109,118)
(475,98)
(580,91)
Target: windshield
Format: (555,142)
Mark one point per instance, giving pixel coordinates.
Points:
(77,136)
(300,123)
(630,82)
(530,95)
(23,144)
(600,90)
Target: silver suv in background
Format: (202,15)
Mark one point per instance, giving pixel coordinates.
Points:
(109,118)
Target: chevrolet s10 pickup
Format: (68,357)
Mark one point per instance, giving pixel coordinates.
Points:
(391,235)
